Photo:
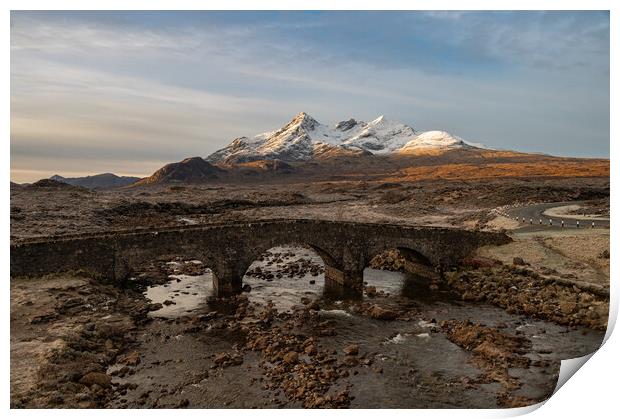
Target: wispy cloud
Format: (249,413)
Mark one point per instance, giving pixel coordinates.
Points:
(85,87)
(562,40)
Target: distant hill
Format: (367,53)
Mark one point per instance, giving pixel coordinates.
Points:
(53,183)
(190,170)
(101,181)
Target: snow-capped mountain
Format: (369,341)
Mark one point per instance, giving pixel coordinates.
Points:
(304,138)
(431,141)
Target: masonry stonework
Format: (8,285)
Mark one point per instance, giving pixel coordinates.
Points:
(229,249)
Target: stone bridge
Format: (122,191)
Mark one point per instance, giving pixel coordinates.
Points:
(229,249)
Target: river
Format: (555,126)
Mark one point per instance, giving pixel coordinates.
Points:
(414,364)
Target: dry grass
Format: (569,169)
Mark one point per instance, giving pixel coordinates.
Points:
(583,248)
(574,254)
(545,168)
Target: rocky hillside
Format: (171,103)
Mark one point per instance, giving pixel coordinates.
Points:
(190,170)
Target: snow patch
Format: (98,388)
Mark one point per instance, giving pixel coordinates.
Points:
(433,139)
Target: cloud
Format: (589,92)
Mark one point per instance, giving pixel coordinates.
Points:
(126,90)
(551,40)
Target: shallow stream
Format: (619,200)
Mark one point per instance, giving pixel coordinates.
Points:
(419,366)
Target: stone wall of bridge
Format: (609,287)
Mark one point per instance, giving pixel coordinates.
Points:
(229,249)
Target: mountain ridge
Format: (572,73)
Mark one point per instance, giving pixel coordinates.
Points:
(304,138)
(102,180)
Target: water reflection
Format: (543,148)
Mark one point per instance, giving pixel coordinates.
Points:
(285,277)
(182,295)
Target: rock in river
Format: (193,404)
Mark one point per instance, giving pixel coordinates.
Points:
(380,313)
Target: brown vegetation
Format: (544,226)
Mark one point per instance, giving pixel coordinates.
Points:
(546,168)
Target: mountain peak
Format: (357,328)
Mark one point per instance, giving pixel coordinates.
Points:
(304,120)
(194,160)
(434,141)
(346,125)
(378,120)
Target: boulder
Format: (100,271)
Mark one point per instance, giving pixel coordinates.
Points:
(380,313)
(98,378)
(132,358)
(291,357)
(351,349)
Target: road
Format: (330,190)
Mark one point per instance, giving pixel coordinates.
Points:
(535,213)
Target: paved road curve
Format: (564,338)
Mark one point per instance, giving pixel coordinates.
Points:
(535,213)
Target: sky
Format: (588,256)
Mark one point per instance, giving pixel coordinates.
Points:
(127,92)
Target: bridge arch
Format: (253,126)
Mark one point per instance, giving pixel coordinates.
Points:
(127,264)
(408,254)
(399,270)
(284,268)
(409,250)
(255,253)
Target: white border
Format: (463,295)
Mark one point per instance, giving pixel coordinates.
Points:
(592,393)
(311,5)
